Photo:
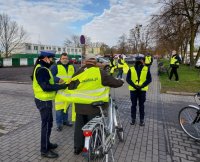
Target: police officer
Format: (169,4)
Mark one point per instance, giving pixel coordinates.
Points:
(174,64)
(62,73)
(138,78)
(148,60)
(44,92)
(90,81)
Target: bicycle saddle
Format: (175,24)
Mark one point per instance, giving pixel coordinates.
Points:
(98,103)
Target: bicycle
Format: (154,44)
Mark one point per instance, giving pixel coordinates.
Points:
(189,119)
(100,133)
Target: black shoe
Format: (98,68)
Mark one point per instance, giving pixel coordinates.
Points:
(77,151)
(69,124)
(59,129)
(53,146)
(142,123)
(133,122)
(50,154)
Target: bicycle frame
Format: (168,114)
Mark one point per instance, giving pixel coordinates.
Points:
(107,127)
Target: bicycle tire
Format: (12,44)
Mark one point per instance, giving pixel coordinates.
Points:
(120,130)
(186,118)
(95,151)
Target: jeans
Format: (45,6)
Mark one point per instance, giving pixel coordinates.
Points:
(120,73)
(45,109)
(61,117)
(135,97)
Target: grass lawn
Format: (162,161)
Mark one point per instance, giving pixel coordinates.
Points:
(189,80)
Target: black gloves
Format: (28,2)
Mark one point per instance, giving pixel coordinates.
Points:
(63,86)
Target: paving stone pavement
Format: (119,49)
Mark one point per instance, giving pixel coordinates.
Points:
(161,140)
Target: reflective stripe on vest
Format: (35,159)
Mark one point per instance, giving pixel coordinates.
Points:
(38,91)
(147,60)
(63,74)
(90,88)
(142,79)
(173,61)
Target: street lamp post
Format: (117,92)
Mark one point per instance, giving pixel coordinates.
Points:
(138,37)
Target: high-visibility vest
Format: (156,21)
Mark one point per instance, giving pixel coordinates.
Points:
(66,76)
(113,62)
(173,61)
(138,81)
(38,91)
(63,74)
(89,90)
(120,65)
(147,60)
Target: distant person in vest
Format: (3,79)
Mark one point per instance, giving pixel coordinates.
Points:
(138,78)
(112,64)
(62,73)
(174,64)
(120,67)
(44,90)
(91,82)
(148,59)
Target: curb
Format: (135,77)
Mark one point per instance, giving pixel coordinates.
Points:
(181,93)
(14,82)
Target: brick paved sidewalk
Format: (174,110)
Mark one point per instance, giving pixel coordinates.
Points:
(161,140)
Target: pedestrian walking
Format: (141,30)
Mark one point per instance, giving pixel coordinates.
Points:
(138,78)
(62,72)
(174,64)
(44,90)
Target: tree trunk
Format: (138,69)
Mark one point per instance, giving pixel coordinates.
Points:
(192,45)
(198,56)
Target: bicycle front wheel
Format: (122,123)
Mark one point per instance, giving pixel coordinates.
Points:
(187,116)
(95,152)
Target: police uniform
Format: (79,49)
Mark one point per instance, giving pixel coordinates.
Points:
(44,91)
(138,78)
(174,64)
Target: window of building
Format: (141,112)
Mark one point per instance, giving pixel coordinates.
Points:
(42,47)
(47,48)
(79,50)
(75,50)
(50,48)
(63,49)
(54,48)
(35,47)
(72,50)
(68,50)
(28,47)
(59,49)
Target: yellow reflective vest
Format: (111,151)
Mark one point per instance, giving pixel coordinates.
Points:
(63,74)
(66,76)
(122,63)
(174,61)
(147,60)
(138,81)
(38,91)
(90,88)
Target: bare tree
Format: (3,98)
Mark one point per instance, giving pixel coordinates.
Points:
(11,35)
(190,10)
(122,44)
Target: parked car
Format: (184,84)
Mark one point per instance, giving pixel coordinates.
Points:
(103,63)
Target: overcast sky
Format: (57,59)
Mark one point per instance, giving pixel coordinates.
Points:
(51,21)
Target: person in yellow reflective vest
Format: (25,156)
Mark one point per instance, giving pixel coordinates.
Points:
(148,60)
(174,64)
(112,65)
(44,90)
(120,67)
(62,73)
(89,84)
(138,78)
